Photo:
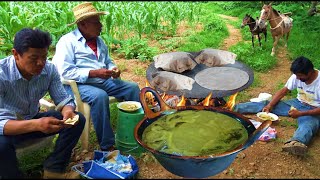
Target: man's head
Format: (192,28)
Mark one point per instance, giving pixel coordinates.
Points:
(87,19)
(303,68)
(30,50)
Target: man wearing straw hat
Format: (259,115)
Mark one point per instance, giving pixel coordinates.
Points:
(82,55)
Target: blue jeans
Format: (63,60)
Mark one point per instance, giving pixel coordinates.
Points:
(57,161)
(308,126)
(97,96)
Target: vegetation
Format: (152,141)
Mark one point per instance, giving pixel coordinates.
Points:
(140,30)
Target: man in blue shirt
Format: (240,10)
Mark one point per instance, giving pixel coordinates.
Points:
(25,77)
(81,55)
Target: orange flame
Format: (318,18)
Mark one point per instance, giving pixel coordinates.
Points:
(147,84)
(163,96)
(206,101)
(182,102)
(231,102)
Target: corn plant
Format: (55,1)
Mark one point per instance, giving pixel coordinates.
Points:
(126,19)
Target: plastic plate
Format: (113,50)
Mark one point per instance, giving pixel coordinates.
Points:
(267,116)
(129,106)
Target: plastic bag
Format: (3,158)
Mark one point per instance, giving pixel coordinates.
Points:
(94,169)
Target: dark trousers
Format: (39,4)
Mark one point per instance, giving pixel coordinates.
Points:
(57,161)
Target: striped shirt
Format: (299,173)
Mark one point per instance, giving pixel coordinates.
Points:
(20,97)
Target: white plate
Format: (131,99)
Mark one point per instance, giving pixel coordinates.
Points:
(255,100)
(268,116)
(129,106)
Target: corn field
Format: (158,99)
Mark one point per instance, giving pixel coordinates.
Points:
(126,19)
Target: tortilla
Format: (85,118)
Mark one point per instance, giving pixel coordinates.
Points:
(171,81)
(73,120)
(174,61)
(222,78)
(215,57)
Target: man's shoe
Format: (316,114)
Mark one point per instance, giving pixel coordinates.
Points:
(295,147)
(55,175)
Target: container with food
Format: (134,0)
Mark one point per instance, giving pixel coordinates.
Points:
(129,106)
(267,116)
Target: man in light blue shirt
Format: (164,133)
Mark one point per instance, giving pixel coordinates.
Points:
(25,77)
(81,55)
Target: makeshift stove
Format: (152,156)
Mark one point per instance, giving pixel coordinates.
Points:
(175,101)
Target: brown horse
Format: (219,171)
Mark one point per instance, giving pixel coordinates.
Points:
(254,28)
(280,24)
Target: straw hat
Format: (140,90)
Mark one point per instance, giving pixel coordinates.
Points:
(85,10)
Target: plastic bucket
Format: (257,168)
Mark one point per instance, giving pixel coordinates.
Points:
(129,148)
(124,139)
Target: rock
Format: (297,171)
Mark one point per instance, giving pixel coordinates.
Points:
(241,155)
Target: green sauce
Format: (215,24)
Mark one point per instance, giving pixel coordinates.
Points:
(195,133)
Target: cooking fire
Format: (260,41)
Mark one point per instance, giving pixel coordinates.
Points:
(174,101)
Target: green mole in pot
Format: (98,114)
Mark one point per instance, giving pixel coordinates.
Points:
(195,133)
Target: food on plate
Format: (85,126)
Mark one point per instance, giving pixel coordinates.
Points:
(72,121)
(267,116)
(129,107)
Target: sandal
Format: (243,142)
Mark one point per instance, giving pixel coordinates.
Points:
(295,147)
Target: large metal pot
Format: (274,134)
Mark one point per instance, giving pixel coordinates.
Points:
(194,166)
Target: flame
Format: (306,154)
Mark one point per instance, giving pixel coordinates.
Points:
(182,102)
(163,96)
(147,84)
(231,102)
(206,101)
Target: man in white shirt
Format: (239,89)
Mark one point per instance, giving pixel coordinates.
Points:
(82,55)
(305,107)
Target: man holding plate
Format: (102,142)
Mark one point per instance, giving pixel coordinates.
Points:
(305,107)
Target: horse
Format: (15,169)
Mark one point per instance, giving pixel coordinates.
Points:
(254,28)
(280,24)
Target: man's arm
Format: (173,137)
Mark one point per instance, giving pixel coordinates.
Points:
(295,113)
(276,98)
(44,124)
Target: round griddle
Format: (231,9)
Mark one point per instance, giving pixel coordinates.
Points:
(198,91)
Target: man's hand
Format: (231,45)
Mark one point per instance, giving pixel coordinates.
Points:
(101,73)
(68,113)
(294,113)
(116,72)
(50,124)
(267,108)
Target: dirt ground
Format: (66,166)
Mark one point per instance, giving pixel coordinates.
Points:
(261,160)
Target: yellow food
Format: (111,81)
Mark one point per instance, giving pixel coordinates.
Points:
(73,120)
(293,108)
(266,117)
(128,107)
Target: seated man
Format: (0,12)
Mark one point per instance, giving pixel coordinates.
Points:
(25,77)
(305,107)
(81,55)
